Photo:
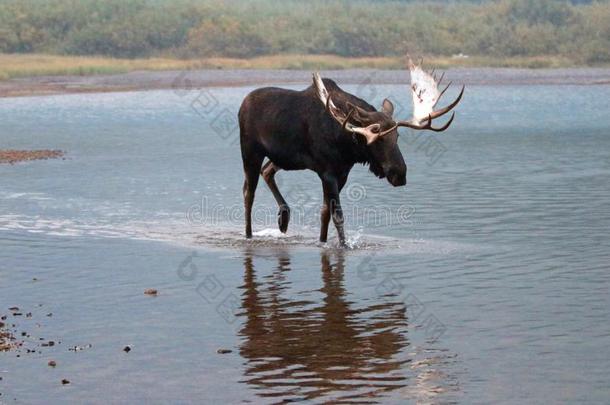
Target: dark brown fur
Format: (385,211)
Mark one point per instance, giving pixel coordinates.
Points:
(295,132)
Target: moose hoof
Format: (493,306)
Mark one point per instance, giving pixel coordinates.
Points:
(283,217)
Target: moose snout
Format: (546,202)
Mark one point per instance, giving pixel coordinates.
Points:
(397,177)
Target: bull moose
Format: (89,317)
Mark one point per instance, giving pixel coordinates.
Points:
(328,130)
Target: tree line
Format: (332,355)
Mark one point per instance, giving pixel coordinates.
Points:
(213,28)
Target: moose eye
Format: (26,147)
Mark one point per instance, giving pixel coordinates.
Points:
(375,129)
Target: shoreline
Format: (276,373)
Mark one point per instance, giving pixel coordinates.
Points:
(142,80)
(12,156)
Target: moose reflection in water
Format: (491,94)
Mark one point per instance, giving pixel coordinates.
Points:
(303,347)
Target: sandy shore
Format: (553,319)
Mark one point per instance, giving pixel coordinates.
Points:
(147,80)
(14,156)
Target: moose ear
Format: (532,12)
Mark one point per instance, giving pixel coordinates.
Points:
(387,107)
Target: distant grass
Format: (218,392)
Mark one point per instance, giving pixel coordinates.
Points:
(28,65)
(525,62)
(306,62)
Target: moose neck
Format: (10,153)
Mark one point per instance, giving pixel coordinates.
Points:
(353,146)
(356,151)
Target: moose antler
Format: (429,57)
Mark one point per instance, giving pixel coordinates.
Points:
(425,93)
(371,133)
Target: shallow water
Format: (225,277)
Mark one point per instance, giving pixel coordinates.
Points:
(484,280)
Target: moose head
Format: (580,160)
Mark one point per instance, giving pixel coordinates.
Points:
(380,129)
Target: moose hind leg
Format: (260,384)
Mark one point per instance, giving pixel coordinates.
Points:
(252,166)
(283,216)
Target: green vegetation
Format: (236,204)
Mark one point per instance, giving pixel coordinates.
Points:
(548,31)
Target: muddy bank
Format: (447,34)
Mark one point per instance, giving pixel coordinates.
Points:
(7,340)
(15,156)
(144,80)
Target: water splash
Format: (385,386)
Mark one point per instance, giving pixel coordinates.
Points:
(228,236)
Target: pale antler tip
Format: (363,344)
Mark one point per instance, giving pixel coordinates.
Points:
(410,63)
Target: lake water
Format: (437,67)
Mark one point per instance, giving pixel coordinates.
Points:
(485,280)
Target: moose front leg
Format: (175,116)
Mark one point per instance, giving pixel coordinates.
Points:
(332,207)
(324,219)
